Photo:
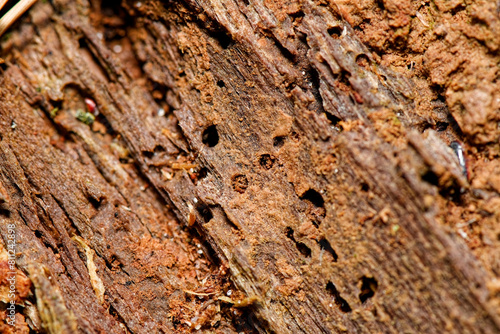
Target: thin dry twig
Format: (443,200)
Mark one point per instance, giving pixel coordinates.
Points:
(199,293)
(2,3)
(12,15)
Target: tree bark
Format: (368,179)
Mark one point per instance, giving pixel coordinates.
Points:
(250,166)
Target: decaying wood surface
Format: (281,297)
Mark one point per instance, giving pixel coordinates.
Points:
(256,139)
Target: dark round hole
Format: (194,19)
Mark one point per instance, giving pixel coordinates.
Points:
(266,161)
(335,32)
(278,141)
(314,197)
(240,183)
(202,173)
(362,60)
(221,83)
(210,136)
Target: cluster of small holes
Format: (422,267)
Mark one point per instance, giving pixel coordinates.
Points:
(239,183)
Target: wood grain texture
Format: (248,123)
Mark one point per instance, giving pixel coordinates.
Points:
(314,183)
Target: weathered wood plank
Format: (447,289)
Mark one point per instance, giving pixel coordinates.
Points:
(314,184)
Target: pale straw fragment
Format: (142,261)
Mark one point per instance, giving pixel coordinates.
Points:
(12,15)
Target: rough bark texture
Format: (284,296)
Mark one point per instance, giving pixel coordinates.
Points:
(256,141)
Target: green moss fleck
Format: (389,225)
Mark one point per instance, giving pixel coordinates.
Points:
(85,117)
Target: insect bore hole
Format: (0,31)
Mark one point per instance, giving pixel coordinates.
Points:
(239,183)
(368,287)
(266,161)
(339,301)
(210,136)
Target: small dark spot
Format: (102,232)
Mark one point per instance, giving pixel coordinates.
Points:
(205,212)
(240,183)
(108,246)
(295,136)
(441,98)
(335,32)
(159,148)
(339,301)
(325,245)
(368,287)
(303,249)
(266,161)
(365,187)
(210,136)
(314,197)
(278,141)
(222,38)
(229,221)
(82,43)
(96,202)
(426,126)
(298,14)
(104,121)
(400,41)
(202,173)
(221,84)
(430,177)
(284,51)
(38,234)
(441,126)
(334,120)
(148,154)
(362,60)
(116,214)
(129,283)
(315,209)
